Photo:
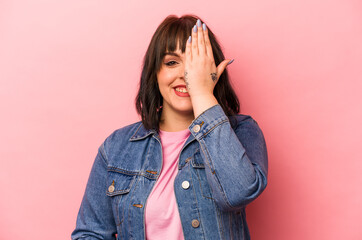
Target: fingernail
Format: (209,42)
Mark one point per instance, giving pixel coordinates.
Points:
(195,28)
(231,61)
(189,40)
(198,23)
(204,26)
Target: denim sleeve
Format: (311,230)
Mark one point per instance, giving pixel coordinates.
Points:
(236,160)
(95,218)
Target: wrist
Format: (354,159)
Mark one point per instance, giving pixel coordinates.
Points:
(202,102)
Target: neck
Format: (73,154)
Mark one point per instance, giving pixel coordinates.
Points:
(173,122)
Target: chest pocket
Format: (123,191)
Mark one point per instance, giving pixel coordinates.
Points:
(197,163)
(119,181)
(119,184)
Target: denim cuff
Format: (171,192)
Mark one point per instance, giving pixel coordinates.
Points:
(207,121)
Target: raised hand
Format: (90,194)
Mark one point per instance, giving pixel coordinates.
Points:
(201,73)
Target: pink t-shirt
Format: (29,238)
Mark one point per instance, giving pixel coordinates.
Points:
(162,219)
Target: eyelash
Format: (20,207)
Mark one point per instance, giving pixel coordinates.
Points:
(171,63)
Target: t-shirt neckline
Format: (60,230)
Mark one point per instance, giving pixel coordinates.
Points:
(175,136)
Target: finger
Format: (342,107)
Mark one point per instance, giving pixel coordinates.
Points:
(200,38)
(221,67)
(188,49)
(208,46)
(194,47)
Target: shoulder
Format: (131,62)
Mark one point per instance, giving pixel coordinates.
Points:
(240,120)
(248,131)
(119,138)
(125,132)
(245,126)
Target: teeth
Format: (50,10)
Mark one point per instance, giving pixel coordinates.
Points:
(183,90)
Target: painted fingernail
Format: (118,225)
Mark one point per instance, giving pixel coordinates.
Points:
(231,61)
(195,28)
(204,26)
(189,40)
(198,23)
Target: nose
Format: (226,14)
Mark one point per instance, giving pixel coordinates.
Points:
(181,72)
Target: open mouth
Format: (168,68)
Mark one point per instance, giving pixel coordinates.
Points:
(181,91)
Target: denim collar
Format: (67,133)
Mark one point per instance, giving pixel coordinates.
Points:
(141,133)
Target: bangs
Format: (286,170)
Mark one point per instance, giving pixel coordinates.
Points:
(175,34)
(170,36)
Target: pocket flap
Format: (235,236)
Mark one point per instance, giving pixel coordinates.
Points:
(118,182)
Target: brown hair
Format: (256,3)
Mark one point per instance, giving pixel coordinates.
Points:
(173,32)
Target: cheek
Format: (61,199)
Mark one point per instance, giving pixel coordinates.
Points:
(163,77)
(164,80)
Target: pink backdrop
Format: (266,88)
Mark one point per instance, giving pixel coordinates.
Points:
(69,72)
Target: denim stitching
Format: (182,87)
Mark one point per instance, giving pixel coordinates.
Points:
(104,158)
(197,205)
(120,221)
(122,191)
(210,125)
(130,207)
(123,171)
(135,132)
(130,204)
(211,129)
(135,138)
(202,192)
(132,173)
(207,156)
(220,187)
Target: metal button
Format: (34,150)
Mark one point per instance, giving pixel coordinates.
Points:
(196,128)
(185,184)
(111,188)
(195,223)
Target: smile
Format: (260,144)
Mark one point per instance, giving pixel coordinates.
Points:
(182,90)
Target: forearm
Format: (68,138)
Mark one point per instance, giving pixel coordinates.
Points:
(236,161)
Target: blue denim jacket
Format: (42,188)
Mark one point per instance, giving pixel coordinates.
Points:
(225,167)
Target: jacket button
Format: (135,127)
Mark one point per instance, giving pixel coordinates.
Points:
(196,128)
(195,223)
(111,188)
(185,184)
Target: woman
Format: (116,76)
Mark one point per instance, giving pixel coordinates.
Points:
(188,170)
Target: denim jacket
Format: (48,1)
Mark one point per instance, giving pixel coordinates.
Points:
(221,169)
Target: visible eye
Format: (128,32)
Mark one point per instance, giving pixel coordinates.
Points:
(171,63)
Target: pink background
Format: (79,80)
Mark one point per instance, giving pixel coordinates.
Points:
(69,72)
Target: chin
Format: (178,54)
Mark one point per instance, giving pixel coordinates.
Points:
(186,109)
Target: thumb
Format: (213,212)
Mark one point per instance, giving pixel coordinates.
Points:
(221,67)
